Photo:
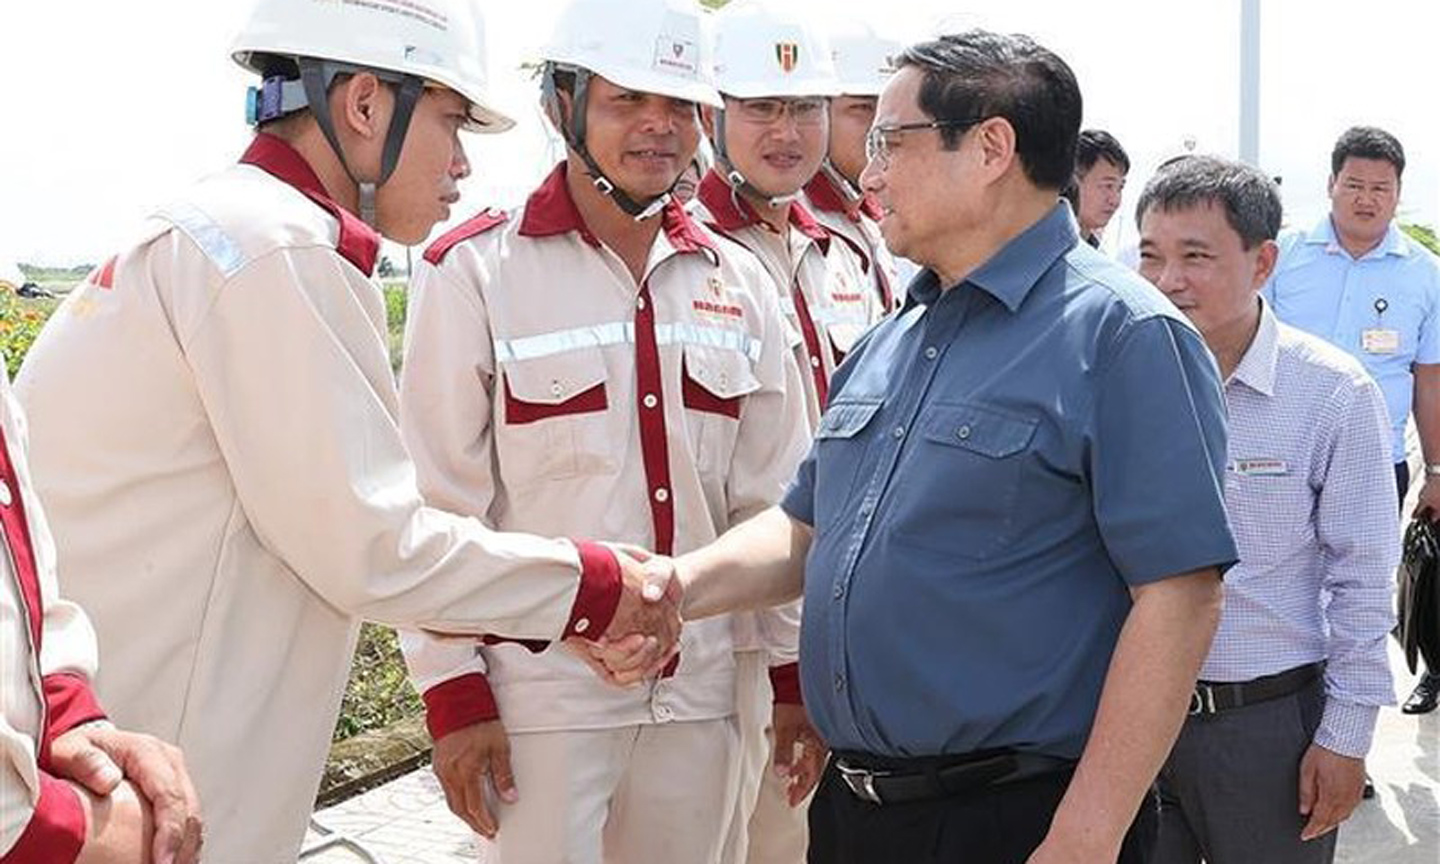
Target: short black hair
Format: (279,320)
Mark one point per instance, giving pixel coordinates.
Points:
(1367,142)
(1249,198)
(1094,144)
(978,74)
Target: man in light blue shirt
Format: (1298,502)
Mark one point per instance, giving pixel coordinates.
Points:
(1309,490)
(1359,282)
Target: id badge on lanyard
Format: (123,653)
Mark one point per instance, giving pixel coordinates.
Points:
(1380,339)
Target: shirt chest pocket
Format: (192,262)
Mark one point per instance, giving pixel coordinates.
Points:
(840,450)
(714,385)
(554,418)
(962,495)
(1270,514)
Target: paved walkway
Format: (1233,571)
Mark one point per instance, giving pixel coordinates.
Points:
(406,822)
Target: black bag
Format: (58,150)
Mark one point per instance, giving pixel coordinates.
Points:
(1420,594)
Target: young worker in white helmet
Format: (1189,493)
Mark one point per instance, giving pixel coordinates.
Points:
(775,74)
(597,362)
(862,62)
(215,429)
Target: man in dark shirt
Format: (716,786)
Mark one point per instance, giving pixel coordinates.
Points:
(1010,530)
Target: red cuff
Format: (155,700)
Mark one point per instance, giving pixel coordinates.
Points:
(599,594)
(56,830)
(785,681)
(458,703)
(69,702)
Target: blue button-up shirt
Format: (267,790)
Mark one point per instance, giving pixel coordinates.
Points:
(1393,288)
(999,464)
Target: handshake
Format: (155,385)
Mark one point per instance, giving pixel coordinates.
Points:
(644,634)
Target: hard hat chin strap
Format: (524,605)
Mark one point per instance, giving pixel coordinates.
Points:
(738,181)
(851,193)
(572,128)
(316,76)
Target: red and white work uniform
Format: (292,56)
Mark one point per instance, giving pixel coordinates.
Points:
(827,298)
(47,655)
(217,439)
(858,221)
(544,390)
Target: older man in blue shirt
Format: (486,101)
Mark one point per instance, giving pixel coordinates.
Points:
(1358,281)
(1010,529)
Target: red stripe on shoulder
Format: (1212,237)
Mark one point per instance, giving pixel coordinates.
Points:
(472,227)
(105,276)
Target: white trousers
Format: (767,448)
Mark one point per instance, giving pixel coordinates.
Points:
(766,829)
(633,795)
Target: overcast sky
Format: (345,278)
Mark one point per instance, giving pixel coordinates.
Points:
(109,113)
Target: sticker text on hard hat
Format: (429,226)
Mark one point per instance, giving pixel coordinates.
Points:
(787,54)
(676,55)
(407,8)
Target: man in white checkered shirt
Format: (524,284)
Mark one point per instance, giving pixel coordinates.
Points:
(1272,758)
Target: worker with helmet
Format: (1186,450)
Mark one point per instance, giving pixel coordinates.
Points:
(775,73)
(215,430)
(596,362)
(862,62)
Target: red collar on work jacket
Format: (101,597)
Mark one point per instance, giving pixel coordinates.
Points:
(551,210)
(732,212)
(827,198)
(359,243)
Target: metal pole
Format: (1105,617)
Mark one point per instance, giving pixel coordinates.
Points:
(1250,81)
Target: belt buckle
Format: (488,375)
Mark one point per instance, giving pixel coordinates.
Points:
(1202,700)
(860,781)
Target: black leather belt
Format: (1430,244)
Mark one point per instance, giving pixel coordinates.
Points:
(897,785)
(1212,697)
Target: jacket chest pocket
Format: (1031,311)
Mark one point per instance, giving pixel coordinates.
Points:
(554,416)
(714,385)
(964,496)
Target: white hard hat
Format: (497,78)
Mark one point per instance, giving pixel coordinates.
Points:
(441,41)
(862,57)
(766,48)
(652,46)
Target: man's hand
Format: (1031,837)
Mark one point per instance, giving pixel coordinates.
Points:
(98,757)
(799,752)
(1330,789)
(1428,504)
(649,608)
(463,761)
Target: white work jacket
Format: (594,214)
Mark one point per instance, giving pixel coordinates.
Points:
(544,390)
(824,290)
(217,440)
(857,221)
(47,656)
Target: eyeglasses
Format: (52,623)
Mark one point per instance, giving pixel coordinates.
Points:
(878,140)
(805,111)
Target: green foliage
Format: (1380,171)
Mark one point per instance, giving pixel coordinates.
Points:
(55,274)
(714,4)
(395,298)
(378,693)
(20,322)
(1424,235)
